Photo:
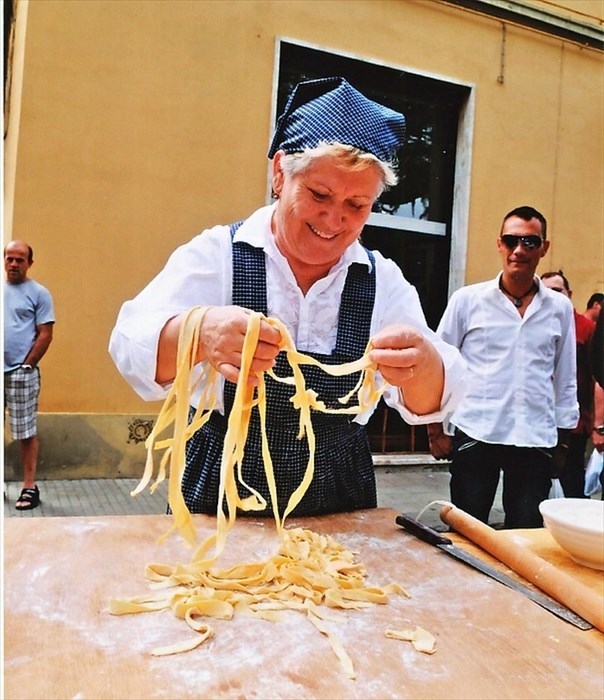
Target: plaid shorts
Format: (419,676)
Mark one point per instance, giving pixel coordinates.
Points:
(21,391)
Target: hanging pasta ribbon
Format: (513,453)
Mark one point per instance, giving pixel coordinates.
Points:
(191,376)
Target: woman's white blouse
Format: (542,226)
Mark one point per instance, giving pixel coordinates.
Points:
(199,274)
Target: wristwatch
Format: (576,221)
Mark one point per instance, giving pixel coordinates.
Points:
(27,368)
(599,429)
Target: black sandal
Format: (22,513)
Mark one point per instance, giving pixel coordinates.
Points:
(30,499)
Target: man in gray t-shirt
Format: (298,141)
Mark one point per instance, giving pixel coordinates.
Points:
(28,326)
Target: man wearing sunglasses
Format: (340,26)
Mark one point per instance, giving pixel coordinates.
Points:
(518,340)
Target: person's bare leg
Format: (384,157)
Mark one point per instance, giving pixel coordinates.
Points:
(30,448)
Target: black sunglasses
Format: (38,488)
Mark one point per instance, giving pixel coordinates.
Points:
(527,242)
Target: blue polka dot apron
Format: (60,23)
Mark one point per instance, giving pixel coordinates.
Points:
(344,478)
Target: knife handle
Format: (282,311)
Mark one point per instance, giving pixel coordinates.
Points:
(421,531)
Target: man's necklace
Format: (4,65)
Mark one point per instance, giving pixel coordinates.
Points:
(517,301)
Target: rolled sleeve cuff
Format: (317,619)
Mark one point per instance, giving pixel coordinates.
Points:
(135,355)
(567,418)
(453,392)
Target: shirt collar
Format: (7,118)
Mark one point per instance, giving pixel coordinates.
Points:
(256,230)
(494,284)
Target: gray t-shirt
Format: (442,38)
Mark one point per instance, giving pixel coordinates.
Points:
(26,306)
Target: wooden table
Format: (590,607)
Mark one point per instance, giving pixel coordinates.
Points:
(61,642)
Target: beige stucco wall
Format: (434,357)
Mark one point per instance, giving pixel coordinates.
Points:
(85,446)
(142,122)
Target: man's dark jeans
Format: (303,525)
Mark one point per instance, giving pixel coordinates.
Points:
(573,473)
(475,469)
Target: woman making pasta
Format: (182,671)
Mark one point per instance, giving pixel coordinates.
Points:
(298,260)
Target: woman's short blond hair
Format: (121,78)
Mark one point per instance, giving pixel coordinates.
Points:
(348,157)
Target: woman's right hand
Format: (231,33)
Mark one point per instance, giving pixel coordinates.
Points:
(221,337)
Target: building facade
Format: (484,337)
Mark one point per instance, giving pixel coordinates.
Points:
(131,126)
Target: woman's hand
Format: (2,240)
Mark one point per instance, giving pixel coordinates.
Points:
(221,337)
(406,359)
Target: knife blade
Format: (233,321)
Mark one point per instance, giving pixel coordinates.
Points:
(430,536)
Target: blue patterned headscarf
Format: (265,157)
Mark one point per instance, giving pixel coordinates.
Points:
(331,110)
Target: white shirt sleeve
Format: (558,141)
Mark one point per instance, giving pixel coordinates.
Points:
(565,375)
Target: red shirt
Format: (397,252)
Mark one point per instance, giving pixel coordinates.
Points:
(584,329)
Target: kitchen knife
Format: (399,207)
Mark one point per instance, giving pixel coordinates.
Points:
(427,534)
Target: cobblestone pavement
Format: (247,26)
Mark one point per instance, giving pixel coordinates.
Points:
(406,489)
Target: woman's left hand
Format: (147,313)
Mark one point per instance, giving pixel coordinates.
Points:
(408,360)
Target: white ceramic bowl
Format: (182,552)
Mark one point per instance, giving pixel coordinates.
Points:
(577,525)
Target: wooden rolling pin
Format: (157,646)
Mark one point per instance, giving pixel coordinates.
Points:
(558,584)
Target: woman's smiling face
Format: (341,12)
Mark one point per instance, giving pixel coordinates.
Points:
(321,211)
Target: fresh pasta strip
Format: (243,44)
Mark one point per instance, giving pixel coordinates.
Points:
(336,645)
(179,647)
(421,639)
(309,570)
(175,410)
